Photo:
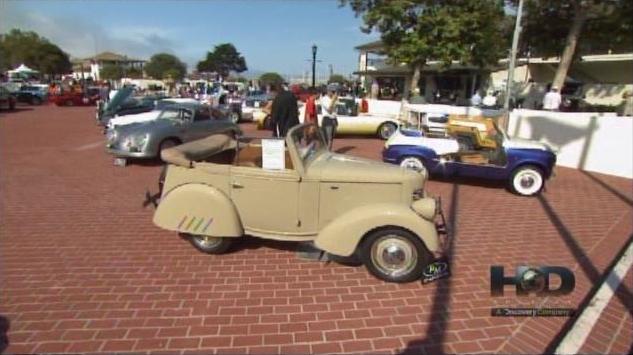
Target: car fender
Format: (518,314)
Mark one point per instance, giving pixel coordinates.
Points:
(342,235)
(198,209)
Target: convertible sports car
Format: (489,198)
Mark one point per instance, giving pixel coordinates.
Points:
(474,147)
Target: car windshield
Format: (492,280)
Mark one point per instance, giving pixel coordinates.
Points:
(175,113)
(309,142)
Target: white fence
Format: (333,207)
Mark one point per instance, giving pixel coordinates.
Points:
(598,142)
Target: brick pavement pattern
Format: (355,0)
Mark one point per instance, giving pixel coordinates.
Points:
(83,269)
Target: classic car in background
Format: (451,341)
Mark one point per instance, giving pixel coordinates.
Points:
(474,147)
(349,120)
(252,103)
(7,101)
(124,103)
(34,95)
(175,125)
(159,106)
(217,189)
(75,98)
(433,119)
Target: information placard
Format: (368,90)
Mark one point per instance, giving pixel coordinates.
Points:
(273,154)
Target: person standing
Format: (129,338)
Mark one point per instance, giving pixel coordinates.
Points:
(284,112)
(552,100)
(329,121)
(311,109)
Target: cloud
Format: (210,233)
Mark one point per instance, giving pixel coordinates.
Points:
(82,38)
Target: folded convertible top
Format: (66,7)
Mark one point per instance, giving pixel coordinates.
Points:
(197,150)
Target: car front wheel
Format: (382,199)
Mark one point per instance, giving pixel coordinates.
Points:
(386,130)
(235,117)
(394,255)
(527,181)
(209,245)
(413,163)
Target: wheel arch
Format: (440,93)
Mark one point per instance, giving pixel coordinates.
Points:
(197,208)
(343,235)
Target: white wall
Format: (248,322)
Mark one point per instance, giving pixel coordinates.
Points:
(595,142)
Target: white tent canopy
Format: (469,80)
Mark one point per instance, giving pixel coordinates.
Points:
(23,69)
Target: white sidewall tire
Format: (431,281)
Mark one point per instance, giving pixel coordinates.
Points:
(527,181)
(412,163)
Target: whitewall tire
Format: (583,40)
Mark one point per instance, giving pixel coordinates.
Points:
(413,163)
(527,181)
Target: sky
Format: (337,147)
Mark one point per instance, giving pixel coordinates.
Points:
(272,35)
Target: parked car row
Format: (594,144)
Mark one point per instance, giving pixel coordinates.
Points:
(142,127)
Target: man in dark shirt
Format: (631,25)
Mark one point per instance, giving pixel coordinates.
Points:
(285,112)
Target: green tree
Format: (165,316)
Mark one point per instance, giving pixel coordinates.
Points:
(337,78)
(270,78)
(111,72)
(17,47)
(164,65)
(223,60)
(555,27)
(414,32)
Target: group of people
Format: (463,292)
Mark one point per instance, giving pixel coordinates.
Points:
(284,111)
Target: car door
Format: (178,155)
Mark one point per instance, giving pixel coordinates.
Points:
(267,200)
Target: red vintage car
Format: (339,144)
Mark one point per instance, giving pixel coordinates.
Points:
(90,98)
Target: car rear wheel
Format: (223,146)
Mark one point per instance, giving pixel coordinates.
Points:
(267,124)
(386,130)
(527,181)
(413,163)
(36,101)
(209,245)
(394,255)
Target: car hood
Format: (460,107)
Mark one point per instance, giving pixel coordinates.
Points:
(345,168)
(116,101)
(518,143)
(144,127)
(137,118)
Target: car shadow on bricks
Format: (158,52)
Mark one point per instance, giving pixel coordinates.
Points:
(4,333)
(609,188)
(438,322)
(591,271)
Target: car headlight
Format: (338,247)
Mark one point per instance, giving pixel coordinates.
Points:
(135,142)
(111,135)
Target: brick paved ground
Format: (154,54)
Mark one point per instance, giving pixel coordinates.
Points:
(83,269)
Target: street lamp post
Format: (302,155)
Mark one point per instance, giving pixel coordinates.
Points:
(314,52)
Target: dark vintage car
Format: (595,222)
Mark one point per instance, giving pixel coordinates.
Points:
(32,95)
(7,101)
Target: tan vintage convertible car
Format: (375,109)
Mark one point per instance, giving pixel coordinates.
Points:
(219,188)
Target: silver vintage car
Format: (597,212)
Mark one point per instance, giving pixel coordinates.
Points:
(175,125)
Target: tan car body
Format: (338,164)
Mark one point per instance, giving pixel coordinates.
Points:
(334,201)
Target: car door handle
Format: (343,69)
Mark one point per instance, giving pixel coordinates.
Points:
(237,185)
(334,187)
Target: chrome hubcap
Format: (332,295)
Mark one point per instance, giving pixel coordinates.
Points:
(394,255)
(527,181)
(387,131)
(206,242)
(412,163)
